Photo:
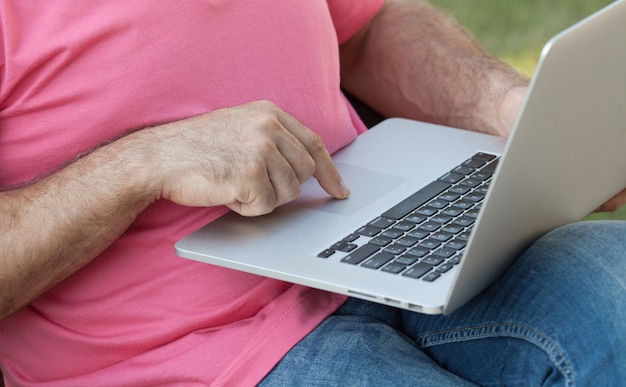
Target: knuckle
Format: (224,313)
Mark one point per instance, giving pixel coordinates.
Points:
(291,190)
(265,205)
(316,145)
(265,149)
(267,123)
(295,190)
(253,171)
(256,203)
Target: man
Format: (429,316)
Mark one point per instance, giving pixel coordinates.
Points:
(127,125)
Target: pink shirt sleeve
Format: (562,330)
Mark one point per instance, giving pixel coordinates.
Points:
(350,16)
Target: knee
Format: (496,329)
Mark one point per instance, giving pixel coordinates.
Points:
(581,267)
(600,243)
(586,259)
(578,269)
(579,275)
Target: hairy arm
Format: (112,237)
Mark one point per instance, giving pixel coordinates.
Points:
(414,61)
(51,228)
(251,158)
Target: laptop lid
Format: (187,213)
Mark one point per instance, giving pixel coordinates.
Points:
(567,153)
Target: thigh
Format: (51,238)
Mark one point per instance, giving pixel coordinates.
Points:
(359,346)
(557,317)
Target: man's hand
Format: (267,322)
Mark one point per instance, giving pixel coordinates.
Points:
(507,110)
(615,203)
(252,158)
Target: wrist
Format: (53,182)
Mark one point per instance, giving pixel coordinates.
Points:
(508,108)
(135,158)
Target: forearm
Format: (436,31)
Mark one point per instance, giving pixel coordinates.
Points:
(414,61)
(53,227)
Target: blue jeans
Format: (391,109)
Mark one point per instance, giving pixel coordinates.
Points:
(557,317)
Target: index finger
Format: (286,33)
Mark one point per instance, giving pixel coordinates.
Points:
(326,172)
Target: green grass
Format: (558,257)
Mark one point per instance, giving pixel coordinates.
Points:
(516,31)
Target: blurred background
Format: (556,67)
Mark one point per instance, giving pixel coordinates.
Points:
(516,31)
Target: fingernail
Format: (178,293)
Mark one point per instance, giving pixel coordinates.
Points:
(344,189)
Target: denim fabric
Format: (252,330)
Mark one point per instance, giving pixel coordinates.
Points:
(557,317)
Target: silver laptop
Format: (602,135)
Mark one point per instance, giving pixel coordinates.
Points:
(461,221)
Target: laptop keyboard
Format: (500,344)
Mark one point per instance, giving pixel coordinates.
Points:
(423,236)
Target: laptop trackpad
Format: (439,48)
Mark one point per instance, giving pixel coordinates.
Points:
(366,185)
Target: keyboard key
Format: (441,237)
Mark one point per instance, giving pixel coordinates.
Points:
(338,245)
(471,183)
(484,156)
(453,228)
(438,204)
(433,261)
(369,231)
(394,268)
(452,177)
(449,196)
(464,221)
(326,253)
(351,238)
(444,252)
(452,211)
(378,260)
(463,170)
(427,211)
(407,241)
(418,251)
(474,197)
(473,213)
(417,271)
(491,167)
(463,205)
(429,244)
(474,163)
(360,254)
(348,247)
(392,233)
(415,218)
(380,241)
(404,226)
(430,277)
(455,260)
(460,189)
(441,236)
(481,175)
(394,249)
(464,236)
(482,189)
(418,234)
(442,219)
(429,226)
(406,260)
(446,267)
(456,244)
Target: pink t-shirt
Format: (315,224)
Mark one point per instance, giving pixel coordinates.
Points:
(76,73)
